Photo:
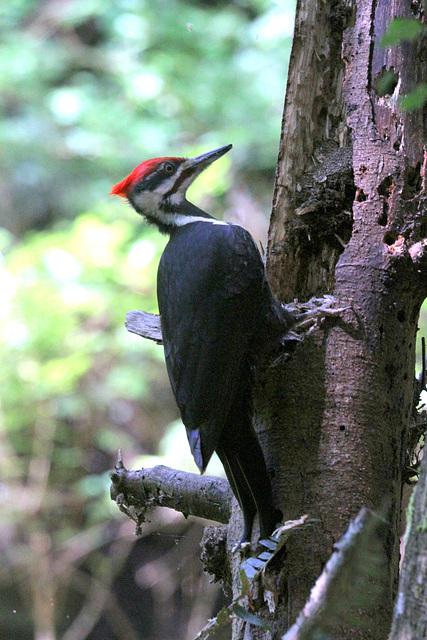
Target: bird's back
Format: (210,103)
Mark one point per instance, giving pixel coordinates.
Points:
(210,292)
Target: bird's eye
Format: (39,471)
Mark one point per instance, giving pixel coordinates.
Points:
(169,168)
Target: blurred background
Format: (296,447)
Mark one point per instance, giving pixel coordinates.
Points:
(88,90)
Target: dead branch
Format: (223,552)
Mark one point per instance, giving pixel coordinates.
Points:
(146,325)
(306,314)
(136,492)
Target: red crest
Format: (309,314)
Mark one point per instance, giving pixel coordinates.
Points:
(122,188)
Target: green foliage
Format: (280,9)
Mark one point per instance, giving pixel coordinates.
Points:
(401,29)
(404,30)
(240,612)
(90,89)
(416,99)
(73,386)
(386,83)
(65,353)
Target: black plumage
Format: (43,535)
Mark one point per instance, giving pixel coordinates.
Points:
(216,310)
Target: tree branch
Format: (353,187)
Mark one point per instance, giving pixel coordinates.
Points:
(306,314)
(146,325)
(136,492)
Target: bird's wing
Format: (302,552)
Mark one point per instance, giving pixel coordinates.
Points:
(210,293)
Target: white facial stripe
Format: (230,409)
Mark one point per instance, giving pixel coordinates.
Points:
(149,201)
(180,220)
(168,185)
(176,198)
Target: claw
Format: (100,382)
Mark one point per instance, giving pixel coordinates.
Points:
(317,309)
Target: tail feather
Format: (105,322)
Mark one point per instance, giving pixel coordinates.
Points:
(241,454)
(241,490)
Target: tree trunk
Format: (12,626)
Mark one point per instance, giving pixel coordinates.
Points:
(349,219)
(410,615)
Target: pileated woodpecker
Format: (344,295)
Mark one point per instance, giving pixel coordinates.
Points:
(215,307)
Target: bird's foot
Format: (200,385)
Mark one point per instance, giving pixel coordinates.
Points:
(311,314)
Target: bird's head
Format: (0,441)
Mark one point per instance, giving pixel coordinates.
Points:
(156,188)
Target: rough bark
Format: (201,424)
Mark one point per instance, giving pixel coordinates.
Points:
(351,577)
(144,324)
(191,494)
(349,218)
(314,190)
(410,613)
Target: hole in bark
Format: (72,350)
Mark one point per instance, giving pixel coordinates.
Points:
(401,316)
(361,195)
(412,182)
(416,9)
(362,168)
(396,144)
(385,190)
(386,187)
(322,120)
(390,238)
(382,220)
(385,82)
(342,427)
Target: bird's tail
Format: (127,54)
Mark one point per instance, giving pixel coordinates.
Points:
(243,460)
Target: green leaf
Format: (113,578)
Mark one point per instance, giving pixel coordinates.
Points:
(401,29)
(249,617)
(245,582)
(416,99)
(223,616)
(265,555)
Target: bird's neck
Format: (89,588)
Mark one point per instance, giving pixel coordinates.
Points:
(169,216)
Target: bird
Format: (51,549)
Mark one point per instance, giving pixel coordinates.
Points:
(216,312)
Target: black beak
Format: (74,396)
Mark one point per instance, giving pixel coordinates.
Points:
(199,163)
